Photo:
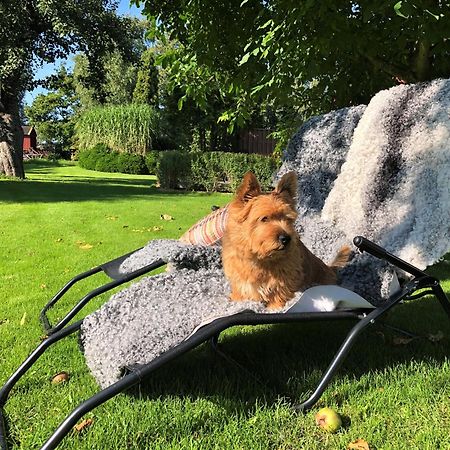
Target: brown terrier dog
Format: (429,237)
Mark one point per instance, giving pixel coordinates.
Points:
(262,254)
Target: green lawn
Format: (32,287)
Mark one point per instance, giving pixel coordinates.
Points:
(64,220)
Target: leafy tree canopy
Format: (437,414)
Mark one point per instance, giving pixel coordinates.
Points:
(53,113)
(146,90)
(312,56)
(37,31)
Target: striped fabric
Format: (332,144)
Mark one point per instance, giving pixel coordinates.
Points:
(209,230)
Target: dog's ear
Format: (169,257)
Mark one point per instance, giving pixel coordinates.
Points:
(287,185)
(249,188)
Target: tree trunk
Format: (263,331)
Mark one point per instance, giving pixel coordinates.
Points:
(422,64)
(202,139)
(11,144)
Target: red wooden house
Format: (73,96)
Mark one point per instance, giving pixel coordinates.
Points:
(29,138)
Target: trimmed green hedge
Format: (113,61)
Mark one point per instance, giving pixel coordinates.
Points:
(212,171)
(209,171)
(174,170)
(103,159)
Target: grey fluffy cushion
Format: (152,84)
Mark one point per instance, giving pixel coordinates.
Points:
(380,170)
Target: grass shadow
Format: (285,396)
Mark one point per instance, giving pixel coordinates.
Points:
(89,189)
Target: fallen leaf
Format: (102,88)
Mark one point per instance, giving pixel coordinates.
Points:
(84,245)
(43,286)
(402,340)
(359,444)
(166,217)
(59,240)
(60,377)
(436,337)
(83,425)
(112,217)
(23,319)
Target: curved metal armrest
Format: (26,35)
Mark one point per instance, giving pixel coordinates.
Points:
(111,269)
(365,245)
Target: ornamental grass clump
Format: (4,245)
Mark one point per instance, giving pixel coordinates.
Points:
(124,128)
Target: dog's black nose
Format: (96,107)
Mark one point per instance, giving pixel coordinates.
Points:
(284,239)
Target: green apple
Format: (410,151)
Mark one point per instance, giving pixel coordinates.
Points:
(329,420)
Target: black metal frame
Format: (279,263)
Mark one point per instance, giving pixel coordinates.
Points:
(110,268)
(211,332)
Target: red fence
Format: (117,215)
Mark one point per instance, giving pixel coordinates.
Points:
(256,141)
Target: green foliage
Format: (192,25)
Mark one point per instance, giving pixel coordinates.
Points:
(207,171)
(106,162)
(117,84)
(308,56)
(127,128)
(120,79)
(194,97)
(173,170)
(88,158)
(213,171)
(34,32)
(146,90)
(235,165)
(152,161)
(52,113)
(102,159)
(131,163)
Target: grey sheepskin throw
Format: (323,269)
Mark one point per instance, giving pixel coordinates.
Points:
(381,171)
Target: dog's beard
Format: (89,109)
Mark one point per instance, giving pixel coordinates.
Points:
(271,251)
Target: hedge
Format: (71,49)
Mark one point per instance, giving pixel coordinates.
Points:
(103,159)
(212,171)
(208,171)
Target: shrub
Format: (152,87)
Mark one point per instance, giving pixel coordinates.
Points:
(174,170)
(88,158)
(107,162)
(213,171)
(264,168)
(207,171)
(129,163)
(152,161)
(235,166)
(102,159)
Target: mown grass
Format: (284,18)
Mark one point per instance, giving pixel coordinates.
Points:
(64,220)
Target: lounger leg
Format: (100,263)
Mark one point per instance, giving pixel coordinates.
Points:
(344,350)
(25,366)
(334,366)
(214,341)
(440,295)
(400,330)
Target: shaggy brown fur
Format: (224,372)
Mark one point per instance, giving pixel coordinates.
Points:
(263,256)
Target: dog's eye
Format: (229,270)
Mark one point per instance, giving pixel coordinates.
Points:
(264,219)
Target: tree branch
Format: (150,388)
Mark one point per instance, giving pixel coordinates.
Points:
(398,72)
